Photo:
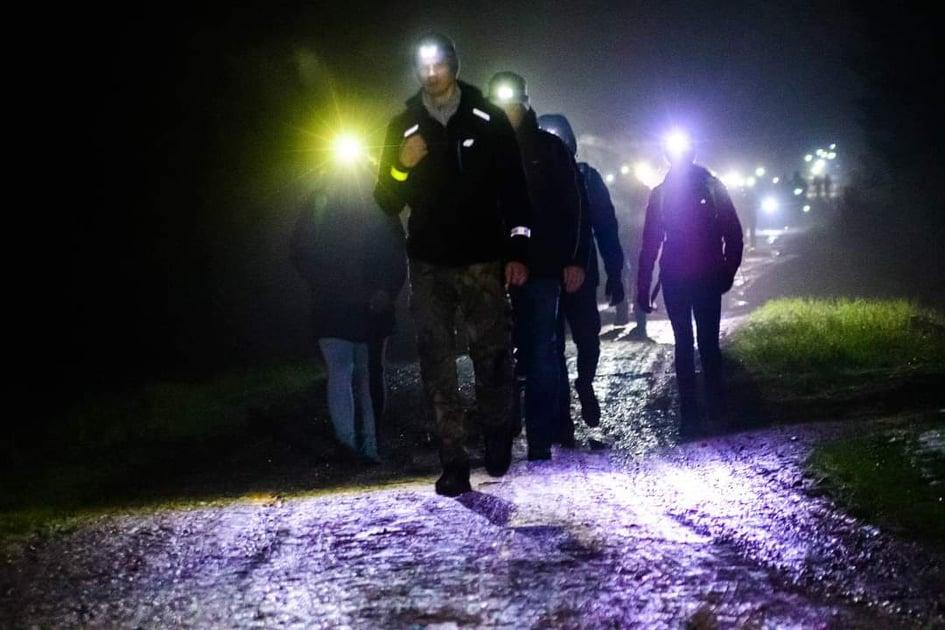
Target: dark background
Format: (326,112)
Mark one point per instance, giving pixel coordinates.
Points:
(170,147)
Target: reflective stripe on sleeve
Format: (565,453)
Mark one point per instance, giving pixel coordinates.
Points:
(412,130)
(521,231)
(400,176)
(481,114)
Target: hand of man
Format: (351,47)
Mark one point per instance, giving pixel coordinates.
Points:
(412,150)
(573,278)
(614,290)
(515,274)
(643,300)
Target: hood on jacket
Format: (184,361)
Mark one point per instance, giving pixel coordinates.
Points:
(559,126)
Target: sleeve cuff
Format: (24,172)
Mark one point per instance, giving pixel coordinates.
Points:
(397,174)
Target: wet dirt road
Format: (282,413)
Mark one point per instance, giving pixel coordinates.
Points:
(721,532)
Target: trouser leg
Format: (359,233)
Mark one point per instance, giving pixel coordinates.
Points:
(433,302)
(488,327)
(566,424)
(377,349)
(339,361)
(678,301)
(537,306)
(364,404)
(584,321)
(707,310)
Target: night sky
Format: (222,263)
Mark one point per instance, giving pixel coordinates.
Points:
(195,129)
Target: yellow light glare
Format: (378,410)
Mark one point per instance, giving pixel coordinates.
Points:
(348,148)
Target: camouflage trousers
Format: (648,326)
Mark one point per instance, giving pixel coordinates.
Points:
(478,291)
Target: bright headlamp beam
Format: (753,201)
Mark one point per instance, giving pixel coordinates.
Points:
(347,148)
(677,143)
(505,93)
(769,205)
(429,54)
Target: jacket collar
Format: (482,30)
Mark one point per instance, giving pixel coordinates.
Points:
(470,97)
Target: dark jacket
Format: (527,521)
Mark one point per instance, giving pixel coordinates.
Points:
(468,194)
(347,251)
(603,222)
(556,201)
(690,217)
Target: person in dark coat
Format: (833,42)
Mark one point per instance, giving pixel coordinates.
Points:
(557,258)
(579,309)
(452,157)
(690,218)
(352,257)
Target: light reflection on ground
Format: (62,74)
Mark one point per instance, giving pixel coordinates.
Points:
(723,531)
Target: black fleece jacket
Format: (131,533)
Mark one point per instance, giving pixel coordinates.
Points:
(554,190)
(468,198)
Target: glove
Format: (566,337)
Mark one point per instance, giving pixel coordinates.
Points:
(614,290)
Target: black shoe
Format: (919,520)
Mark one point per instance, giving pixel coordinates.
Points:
(638,333)
(539,453)
(498,454)
(454,481)
(590,408)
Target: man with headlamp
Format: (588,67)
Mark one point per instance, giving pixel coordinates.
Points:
(558,256)
(452,157)
(691,220)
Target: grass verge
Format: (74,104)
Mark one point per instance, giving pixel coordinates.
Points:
(894,478)
(827,358)
(173,442)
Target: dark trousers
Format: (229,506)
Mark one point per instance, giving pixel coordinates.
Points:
(535,311)
(377,348)
(579,310)
(684,301)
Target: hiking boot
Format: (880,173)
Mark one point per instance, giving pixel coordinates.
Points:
(454,481)
(498,453)
(590,408)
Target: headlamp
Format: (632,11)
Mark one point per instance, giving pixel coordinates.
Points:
(505,93)
(429,54)
(677,144)
(347,148)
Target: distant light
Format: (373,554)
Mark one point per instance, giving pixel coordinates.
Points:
(831,156)
(806,208)
(609,178)
(677,143)
(646,174)
(821,153)
(760,171)
(769,205)
(347,148)
(750,182)
(798,192)
(808,157)
(818,167)
(775,180)
(733,179)
(624,169)
(833,146)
